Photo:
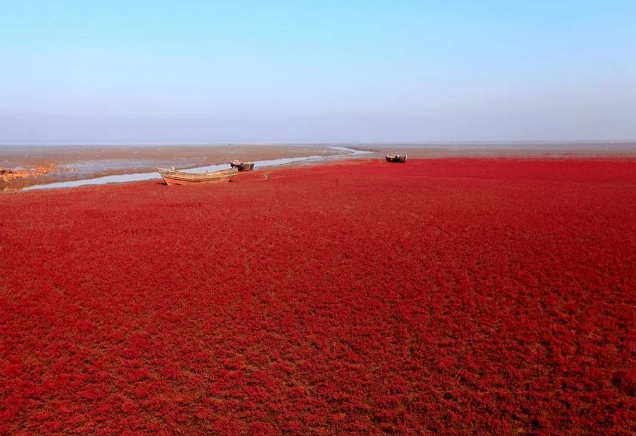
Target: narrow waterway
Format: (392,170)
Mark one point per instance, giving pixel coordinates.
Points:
(137,177)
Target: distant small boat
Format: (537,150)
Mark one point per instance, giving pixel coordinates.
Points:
(242,166)
(176,177)
(400,158)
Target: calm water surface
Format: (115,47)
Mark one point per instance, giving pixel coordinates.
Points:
(137,177)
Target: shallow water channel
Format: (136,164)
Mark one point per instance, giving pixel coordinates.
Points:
(136,177)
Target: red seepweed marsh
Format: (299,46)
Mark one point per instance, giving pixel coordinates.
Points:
(439,296)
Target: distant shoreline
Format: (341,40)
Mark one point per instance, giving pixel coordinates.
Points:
(584,142)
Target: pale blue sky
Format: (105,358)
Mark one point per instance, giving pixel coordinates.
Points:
(316,71)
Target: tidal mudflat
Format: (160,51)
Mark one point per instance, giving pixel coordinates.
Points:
(40,165)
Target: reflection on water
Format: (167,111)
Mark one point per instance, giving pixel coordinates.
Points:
(351,151)
(123,178)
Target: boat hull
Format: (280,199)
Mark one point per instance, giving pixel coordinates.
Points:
(242,166)
(172,182)
(396,158)
(175,177)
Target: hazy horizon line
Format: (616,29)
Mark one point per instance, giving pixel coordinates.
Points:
(310,143)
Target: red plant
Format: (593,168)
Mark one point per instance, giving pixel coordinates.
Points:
(450,296)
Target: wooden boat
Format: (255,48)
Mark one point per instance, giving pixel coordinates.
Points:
(400,158)
(242,166)
(176,177)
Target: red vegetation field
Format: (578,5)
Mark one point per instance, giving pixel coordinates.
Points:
(450,296)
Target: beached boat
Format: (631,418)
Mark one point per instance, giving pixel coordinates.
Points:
(400,158)
(242,166)
(176,177)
